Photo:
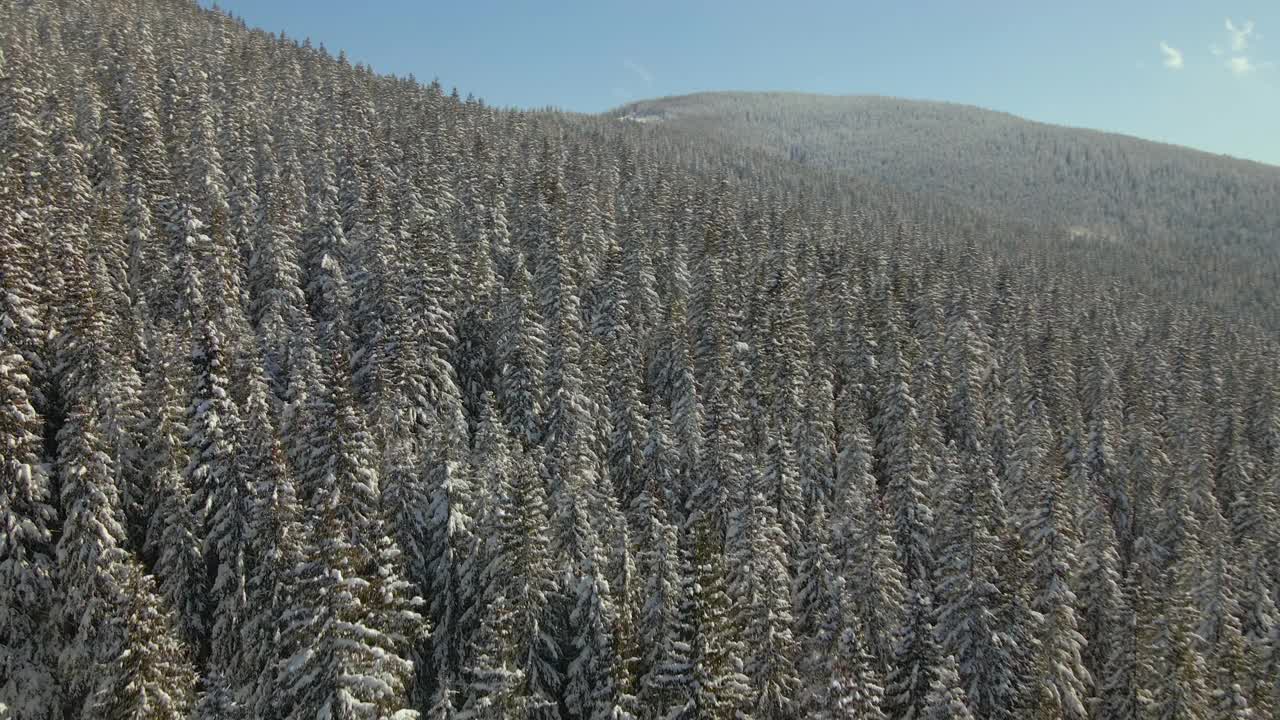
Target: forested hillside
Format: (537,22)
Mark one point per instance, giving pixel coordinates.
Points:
(329,394)
(1203,227)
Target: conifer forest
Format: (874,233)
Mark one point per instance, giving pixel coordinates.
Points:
(333,395)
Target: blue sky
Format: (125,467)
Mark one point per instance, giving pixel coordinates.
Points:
(1171,71)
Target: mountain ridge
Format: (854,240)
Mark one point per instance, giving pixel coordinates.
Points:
(617,110)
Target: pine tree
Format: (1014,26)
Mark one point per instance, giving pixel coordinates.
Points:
(853,690)
(151,675)
(520,356)
(970,592)
(864,547)
(24,195)
(89,556)
(220,497)
(493,683)
(519,578)
(947,699)
(1104,612)
(915,658)
(592,681)
(758,575)
(327,288)
(217,701)
(1182,677)
(274,272)
(29,688)
(274,548)
(448,538)
(817,601)
(180,564)
(658,642)
(354,619)
(710,683)
(906,482)
(1064,681)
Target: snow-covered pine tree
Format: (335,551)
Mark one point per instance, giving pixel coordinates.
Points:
(492,681)
(863,544)
(915,658)
(28,631)
(947,699)
(704,673)
(660,639)
(273,551)
(24,196)
(593,681)
(220,495)
(449,540)
(111,616)
(817,601)
(353,619)
(1105,616)
(327,287)
(217,702)
(1182,680)
(758,575)
(854,689)
(520,356)
(519,575)
(906,482)
(89,553)
(969,588)
(180,563)
(152,674)
(1060,675)
(274,273)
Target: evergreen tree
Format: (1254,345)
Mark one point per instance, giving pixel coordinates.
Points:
(915,659)
(758,575)
(1182,677)
(946,697)
(970,593)
(906,483)
(853,690)
(274,548)
(217,701)
(865,550)
(592,681)
(219,496)
(28,632)
(448,538)
(152,675)
(90,557)
(1064,681)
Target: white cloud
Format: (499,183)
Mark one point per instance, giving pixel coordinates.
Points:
(1241,65)
(640,71)
(1172,56)
(1239,35)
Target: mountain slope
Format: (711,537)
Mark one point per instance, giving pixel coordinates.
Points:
(1210,224)
(328,394)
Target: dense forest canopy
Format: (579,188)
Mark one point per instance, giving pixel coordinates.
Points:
(1200,226)
(330,394)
